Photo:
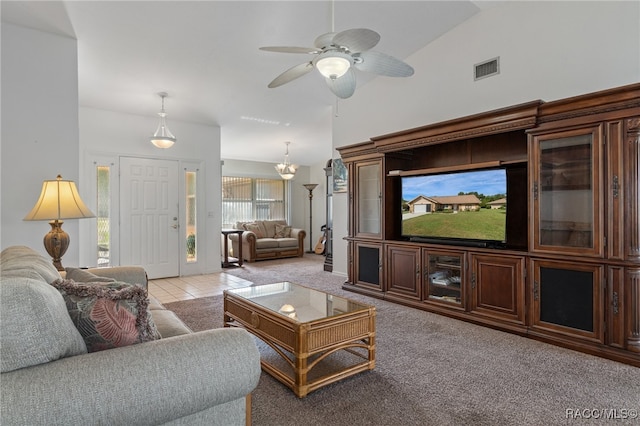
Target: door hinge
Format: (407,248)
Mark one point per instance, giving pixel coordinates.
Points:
(473,280)
(535,190)
(615,186)
(536,290)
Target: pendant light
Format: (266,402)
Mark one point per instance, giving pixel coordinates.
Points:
(163,138)
(286,170)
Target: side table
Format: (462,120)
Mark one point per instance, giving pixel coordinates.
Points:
(227,263)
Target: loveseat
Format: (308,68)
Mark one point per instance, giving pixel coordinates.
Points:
(268,239)
(173,377)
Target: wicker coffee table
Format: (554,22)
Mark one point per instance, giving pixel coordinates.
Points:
(313,338)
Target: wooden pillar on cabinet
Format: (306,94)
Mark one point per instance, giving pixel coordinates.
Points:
(632,295)
(633,189)
(632,292)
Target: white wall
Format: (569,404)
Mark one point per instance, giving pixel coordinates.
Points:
(39,130)
(547,50)
(114,134)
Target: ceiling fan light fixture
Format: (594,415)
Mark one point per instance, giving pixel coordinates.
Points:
(163,138)
(333,64)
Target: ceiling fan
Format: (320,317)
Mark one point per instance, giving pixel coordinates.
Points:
(336,56)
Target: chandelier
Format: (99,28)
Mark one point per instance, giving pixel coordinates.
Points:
(286,170)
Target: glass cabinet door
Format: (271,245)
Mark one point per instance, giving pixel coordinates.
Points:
(368,199)
(444,277)
(567,191)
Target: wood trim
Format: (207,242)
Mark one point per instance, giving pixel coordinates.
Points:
(522,116)
(247,417)
(473,166)
(619,98)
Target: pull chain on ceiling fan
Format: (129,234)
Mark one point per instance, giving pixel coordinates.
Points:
(336,56)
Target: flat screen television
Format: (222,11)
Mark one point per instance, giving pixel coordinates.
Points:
(462,208)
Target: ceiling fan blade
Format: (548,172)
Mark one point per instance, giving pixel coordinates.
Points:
(382,64)
(291,74)
(344,86)
(290,49)
(357,39)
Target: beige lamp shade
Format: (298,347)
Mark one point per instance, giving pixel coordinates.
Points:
(59,199)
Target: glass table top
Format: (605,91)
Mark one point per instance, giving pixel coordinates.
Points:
(302,304)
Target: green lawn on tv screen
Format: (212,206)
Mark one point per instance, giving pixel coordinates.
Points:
(484,224)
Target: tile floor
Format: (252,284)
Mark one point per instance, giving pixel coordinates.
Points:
(168,290)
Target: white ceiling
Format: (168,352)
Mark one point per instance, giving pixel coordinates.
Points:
(205,55)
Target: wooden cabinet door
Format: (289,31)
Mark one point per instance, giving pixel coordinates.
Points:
(567,192)
(368,265)
(403,271)
(567,299)
(368,199)
(497,287)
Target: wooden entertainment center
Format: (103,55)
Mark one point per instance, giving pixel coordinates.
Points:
(569,270)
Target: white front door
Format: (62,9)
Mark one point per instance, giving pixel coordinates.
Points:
(149,224)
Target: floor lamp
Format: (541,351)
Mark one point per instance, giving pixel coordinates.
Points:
(310,187)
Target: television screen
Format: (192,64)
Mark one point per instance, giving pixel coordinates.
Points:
(469,205)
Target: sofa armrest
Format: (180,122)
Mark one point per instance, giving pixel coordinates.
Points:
(127,274)
(148,383)
(297,232)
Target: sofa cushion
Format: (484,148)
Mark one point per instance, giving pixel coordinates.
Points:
(168,323)
(270,227)
(266,243)
(36,327)
(283,231)
(17,258)
(256,229)
(108,315)
(287,242)
(84,276)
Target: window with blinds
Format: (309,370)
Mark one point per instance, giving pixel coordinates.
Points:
(247,199)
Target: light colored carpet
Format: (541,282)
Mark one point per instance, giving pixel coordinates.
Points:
(434,370)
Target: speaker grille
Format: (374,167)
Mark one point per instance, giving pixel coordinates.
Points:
(486,69)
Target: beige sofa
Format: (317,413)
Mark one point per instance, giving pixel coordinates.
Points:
(49,378)
(268,239)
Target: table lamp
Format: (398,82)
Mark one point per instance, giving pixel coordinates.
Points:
(59,199)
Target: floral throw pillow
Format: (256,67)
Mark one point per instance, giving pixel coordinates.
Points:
(108,315)
(283,231)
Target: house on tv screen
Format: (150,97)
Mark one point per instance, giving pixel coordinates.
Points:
(422,204)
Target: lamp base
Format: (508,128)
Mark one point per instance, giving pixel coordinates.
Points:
(56,243)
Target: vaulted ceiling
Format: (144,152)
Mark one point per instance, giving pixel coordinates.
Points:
(205,55)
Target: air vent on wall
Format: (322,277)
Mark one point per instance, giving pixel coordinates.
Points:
(487,68)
